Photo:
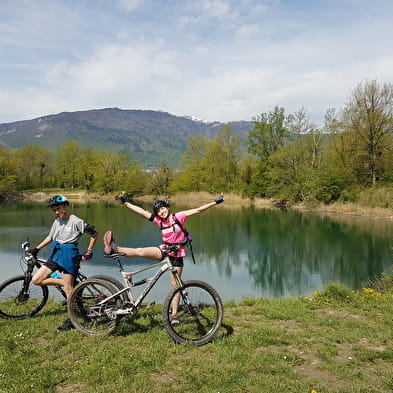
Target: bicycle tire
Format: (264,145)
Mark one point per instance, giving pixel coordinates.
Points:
(15,305)
(200,313)
(87,316)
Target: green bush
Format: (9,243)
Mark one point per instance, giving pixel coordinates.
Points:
(337,291)
(382,283)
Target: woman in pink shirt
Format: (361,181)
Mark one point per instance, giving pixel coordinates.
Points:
(173,233)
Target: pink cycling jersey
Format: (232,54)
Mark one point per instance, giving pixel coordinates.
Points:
(172,233)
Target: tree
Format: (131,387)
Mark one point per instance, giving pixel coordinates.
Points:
(161,179)
(130,178)
(69,164)
(88,166)
(33,166)
(7,172)
(193,174)
(247,166)
(111,172)
(294,166)
(268,134)
(368,119)
(220,161)
(210,164)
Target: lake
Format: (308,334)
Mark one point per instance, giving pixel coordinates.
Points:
(241,251)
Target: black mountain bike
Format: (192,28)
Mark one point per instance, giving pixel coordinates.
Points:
(20,298)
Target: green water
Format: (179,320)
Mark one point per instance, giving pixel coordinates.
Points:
(240,251)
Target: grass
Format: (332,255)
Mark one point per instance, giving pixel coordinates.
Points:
(335,341)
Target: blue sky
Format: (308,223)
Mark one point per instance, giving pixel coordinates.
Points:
(212,59)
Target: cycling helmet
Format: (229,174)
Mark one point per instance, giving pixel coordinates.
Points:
(159,203)
(57,200)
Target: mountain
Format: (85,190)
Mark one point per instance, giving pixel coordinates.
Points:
(150,137)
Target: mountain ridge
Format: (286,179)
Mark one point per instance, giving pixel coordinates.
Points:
(150,137)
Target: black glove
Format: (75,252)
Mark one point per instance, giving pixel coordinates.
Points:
(87,255)
(220,199)
(34,251)
(122,198)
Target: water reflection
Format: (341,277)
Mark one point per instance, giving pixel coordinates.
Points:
(242,252)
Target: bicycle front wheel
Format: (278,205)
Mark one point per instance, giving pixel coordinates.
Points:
(18,302)
(116,283)
(88,310)
(200,313)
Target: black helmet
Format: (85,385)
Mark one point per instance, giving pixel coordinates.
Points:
(57,200)
(159,203)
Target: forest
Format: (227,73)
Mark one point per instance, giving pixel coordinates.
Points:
(285,157)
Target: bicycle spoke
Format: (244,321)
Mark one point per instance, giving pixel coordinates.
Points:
(87,308)
(199,313)
(18,301)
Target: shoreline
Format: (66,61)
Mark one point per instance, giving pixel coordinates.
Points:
(232,201)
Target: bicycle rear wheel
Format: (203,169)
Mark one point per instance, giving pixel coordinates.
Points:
(17,302)
(200,313)
(87,310)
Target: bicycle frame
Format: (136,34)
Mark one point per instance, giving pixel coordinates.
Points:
(165,265)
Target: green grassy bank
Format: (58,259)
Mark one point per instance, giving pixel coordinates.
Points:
(337,341)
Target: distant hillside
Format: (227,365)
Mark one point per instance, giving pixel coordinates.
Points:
(150,137)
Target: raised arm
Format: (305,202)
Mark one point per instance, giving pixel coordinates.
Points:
(202,208)
(136,209)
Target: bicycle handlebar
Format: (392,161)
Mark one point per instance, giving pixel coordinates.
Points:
(25,245)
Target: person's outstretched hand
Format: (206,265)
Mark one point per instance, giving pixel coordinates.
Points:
(220,199)
(122,198)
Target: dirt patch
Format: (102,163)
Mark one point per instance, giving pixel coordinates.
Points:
(340,314)
(71,388)
(364,342)
(312,368)
(345,354)
(166,377)
(291,326)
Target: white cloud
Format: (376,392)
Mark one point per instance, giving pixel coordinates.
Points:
(129,5)
(30,103)
(247,31)
(214,59)
(215,8)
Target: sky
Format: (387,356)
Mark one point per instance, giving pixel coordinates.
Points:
(217,60)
